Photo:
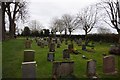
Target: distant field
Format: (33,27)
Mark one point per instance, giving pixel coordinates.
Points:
(12,57)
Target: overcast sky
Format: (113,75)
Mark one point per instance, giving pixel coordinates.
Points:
(46,10)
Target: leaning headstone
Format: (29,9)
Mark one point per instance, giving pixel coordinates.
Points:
(29,70)
(51,56)
(66,54)
(63,68)
(91,68)
(109,64)
(29,55)
(28,43)
(52,47)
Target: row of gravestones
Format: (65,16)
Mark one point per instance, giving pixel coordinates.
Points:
(48,41)
(65,68)
(29,63)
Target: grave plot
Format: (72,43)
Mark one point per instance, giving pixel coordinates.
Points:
(29,70)
(62,69)
(51,56)
(109,65)
(29,55)
(28,43)
(91,69)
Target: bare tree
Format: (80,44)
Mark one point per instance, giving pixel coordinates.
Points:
(54,25)
(88,19)
(35,25)
(69,23)
(113,14)
(15,10)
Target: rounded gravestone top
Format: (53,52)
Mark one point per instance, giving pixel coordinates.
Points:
(29,62)
(30,50)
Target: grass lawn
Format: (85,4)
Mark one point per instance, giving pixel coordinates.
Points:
(12,57)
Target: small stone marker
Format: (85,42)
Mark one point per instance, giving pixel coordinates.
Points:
(84,47)
(63,68)
(29,70)
(50,56)
(28,43)
(79,42)
(70,48)
(109,64)
(91,68)
(66,54)
(52,47)
(29,55)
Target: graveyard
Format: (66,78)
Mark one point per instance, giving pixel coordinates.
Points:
(60,39)
(14,54)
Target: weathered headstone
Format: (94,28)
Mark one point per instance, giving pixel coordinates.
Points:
(42,44)
(63,68)
(66,54)
(51,56)
(58,43)
(91,68)
(45,43)
(114,50)
(79,42)
(52,47)
(86,42)
(29,70)
(70,48)
(66,41)
(29,55)
(28,43)
(109,64)
(84,47)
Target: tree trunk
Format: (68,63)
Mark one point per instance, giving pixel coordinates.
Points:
(3,21)
(11,28)
(86,38)
(86,35)
(119,37)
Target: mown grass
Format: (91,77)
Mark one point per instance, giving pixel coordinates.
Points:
(12,57)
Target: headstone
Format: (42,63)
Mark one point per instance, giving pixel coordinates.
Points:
(52,47)
(39,42)
(29,55)
(45,43)
(114,50)
(79,42)
(50,56)
(84,47)
(70,48)
(42,44)
(58,43)
(28,43)
(29,70)
(66,41)
(109,64)
(63,68)
(86,42)
(91,68)
(66,54)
